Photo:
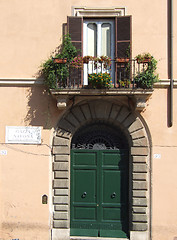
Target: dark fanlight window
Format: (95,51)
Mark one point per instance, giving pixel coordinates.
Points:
(99,137)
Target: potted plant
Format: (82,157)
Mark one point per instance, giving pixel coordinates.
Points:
(147,77)
(100,80)
(77,62)
(55,75)
(86,59)
(105,60)
(60,60)
(124,83)
(143,58)
(122,60)
(99,62)
(125,58)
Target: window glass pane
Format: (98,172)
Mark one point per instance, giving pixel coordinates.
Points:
(106,39)
(92,39)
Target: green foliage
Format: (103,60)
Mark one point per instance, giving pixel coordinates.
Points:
(128,52)
(124,83)
(147,77)
(142,57)
(68,50)
(100,80)
(99,62)
(77,62)
(54,72)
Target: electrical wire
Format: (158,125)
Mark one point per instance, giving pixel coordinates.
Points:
(27,152)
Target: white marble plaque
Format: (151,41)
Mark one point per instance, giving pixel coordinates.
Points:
(23,135)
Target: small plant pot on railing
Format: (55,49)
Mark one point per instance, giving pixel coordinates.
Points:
(143,58)
(146,75)
(122,60)
(59,60)
(86,59)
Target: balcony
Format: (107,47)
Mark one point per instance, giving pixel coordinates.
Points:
(96,79)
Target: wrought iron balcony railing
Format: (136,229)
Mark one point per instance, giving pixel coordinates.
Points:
(123,74)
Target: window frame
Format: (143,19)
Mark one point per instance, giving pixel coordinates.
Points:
(123,38)
(99,22)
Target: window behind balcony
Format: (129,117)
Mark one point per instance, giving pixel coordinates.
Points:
(98,40)
(95,37)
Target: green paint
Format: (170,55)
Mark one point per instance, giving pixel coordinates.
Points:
(99,193)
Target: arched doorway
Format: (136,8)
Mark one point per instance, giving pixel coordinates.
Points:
(99,182)
(135,130)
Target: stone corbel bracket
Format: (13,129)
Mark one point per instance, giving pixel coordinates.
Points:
(62,101)
(141,102)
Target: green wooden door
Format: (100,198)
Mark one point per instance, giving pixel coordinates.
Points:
(99,193)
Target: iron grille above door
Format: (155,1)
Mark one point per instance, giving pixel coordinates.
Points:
(99,137)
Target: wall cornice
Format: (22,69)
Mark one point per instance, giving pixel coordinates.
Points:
(98,12)
(20,81)
(163,83)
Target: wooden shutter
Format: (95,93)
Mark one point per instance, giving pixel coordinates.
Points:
(75,30)
(123,34)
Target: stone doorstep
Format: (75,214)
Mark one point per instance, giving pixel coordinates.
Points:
(95,238)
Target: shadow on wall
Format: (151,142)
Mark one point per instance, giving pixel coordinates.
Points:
(42,109)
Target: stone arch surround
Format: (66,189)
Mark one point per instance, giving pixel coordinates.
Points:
(139,186)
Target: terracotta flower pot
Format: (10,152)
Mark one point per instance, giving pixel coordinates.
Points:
(122,60)
(59,60)
(145,60)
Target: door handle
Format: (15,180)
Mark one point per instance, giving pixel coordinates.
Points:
(84,195)
(113,195)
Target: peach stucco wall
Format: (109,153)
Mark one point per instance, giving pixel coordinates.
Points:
(164,178)
(26,170)
(31,30)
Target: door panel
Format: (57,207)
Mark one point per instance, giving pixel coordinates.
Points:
(85,185)
(99,193)
(110,213)
(84,159)
(84,190)
(111,190)
(111,159)
(88,213)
